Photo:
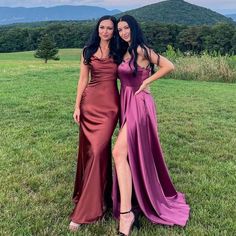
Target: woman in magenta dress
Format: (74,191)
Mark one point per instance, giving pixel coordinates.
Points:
(96,112)
(141,172)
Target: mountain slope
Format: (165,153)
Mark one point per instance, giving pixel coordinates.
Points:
(177,12)
(10,15)
(233,16)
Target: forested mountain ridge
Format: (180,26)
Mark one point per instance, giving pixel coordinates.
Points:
(177,12)
(212,38)
(169,11)
(9,15)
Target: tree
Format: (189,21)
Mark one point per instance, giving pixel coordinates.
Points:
(190,39)
(233,43)
(220,38)
(47,49)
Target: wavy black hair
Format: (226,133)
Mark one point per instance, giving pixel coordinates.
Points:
(94,41)
(137,39)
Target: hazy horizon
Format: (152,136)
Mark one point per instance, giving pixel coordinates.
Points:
(222,6)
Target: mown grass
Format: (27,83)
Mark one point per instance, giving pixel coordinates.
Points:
(197,126)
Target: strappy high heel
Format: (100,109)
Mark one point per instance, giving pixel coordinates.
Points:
(134,223)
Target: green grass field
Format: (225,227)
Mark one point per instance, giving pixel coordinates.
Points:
(38,144)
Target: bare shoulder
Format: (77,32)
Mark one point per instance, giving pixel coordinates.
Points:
(142,53)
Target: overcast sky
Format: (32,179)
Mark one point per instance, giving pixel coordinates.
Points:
(219,5)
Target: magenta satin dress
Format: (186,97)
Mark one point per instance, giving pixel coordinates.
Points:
(99,114)
(153,190)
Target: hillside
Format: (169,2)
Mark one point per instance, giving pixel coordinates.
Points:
(233,16)
(177,12)
(9,15)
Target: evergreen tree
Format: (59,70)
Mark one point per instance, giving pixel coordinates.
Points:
(47,49)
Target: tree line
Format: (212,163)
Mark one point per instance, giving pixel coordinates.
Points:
(220,38)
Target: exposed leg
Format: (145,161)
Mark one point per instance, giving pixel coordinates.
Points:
(120,153)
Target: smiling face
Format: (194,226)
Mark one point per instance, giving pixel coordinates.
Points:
(106,30)
(124,31)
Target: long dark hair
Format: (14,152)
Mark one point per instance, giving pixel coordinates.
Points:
(137,39)
(94,41)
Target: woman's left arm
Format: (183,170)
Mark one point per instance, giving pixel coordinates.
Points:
(165,67)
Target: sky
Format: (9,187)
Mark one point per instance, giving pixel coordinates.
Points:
(223,6)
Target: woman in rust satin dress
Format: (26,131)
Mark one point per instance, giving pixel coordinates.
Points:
(96,112)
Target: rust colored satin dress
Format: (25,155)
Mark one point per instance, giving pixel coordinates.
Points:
(99,114)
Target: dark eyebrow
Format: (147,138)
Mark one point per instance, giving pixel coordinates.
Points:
(106,26)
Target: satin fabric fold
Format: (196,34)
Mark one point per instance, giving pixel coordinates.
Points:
(154,191)
(99,114)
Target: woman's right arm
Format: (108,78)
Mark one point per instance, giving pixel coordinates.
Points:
(82,84)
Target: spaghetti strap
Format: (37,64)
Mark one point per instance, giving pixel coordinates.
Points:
(154,193)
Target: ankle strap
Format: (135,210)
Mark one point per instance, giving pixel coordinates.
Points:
(126,212)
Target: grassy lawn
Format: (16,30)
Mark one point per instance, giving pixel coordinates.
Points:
(38,144)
